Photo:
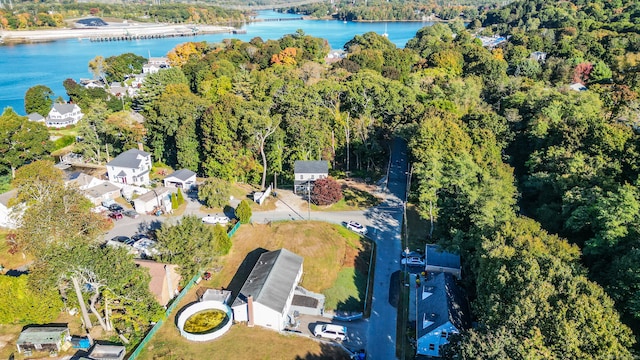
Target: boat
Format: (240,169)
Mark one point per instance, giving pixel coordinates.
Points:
(385,31)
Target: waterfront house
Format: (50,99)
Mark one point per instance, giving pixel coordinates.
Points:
(155,64)
(63,115)
(35,117)
(130,167)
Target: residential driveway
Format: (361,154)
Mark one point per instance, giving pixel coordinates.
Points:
(356,330)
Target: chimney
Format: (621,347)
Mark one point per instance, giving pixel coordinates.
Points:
(140,147)
(167,274)
(250,310)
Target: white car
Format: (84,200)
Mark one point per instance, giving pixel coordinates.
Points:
(413,261)
(330,331)
(215,219)
(357,227)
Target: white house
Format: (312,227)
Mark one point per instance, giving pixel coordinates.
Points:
(62,115)
(158,197)
(130,167)
(306,172)
(9,213)
(101,192)
(437,260)
(82,180)
(35,117)
(265,298)
(155,64)
(183,178)
(441,311)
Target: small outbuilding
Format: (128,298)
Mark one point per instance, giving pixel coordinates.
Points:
(159,197)
(42,338)
(183,179)
(265,298)
(107,352)
(165,280)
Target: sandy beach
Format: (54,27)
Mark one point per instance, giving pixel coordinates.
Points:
(133,30)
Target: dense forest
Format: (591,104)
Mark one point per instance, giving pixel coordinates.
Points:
(533,182)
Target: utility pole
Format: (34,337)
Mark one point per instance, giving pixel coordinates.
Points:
(309,199)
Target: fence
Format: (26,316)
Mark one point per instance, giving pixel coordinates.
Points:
(234,229)
(171,307)
(157,326)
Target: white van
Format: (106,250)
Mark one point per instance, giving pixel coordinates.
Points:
(330,331)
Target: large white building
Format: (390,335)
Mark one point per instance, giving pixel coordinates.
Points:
(131,167)
(63,115)
(265,298)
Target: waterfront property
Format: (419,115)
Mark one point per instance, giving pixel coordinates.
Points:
(63,115)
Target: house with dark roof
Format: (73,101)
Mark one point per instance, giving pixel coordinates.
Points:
(438,260)
(305,173)
(442,310)
(266,296)
(183,178)
(63,115)
(131,167)
(42,338)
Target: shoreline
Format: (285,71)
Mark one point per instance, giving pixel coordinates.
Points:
(132,31)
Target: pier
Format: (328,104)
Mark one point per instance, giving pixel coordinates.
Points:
(143,36)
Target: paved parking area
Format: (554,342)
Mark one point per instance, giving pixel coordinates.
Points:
(356,330)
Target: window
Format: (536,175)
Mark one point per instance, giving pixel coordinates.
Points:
(432,346)
(301,177)
(312,177)
(443,334)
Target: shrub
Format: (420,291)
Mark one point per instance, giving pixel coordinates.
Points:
(243,212)
(19,304)
(326,192)
(214,192)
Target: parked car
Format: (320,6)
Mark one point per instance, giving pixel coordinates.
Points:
(215,219)
(131,213)
(413,261)
(330,331)
(115,215)
(115,207)
(121,239)
(356,227)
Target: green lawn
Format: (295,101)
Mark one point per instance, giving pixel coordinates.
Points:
(347,293)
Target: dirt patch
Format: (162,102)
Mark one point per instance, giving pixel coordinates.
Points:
(359,184)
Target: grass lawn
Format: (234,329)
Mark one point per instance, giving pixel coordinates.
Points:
(242,192)
(73,131)
(335,263)
(353,199)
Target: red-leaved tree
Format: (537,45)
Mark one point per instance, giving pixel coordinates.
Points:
(581,73)
(326,191)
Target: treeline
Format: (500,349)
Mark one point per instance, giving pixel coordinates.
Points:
(52,15)
(377,10)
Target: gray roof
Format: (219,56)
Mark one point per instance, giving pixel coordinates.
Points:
(161,191)
(35,117)
(311,167)
(42,335)
(129,159)
(435,256)
(107,352)
(446,303)
(182,174)
(64,108)
(272,279)
(5,197)
(80,178)
(100,190)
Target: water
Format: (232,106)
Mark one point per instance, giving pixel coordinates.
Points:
(25,65)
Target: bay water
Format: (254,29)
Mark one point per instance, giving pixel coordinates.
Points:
(25,65)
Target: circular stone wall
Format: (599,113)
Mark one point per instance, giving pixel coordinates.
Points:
(202,306)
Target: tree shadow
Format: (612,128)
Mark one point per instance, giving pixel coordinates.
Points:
(328,351)
(229,211)
(243,271)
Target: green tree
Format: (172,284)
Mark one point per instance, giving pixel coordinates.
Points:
(21,141)
(190,244)
(222,241)
(214,192)
(38,99)
(180,197)
(19,304)
(174,201)
(243,212)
